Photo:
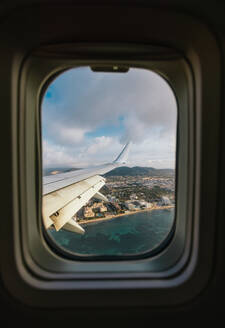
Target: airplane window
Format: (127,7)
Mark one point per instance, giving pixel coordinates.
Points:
(109,161)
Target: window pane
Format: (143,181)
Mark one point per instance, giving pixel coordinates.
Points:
(87,119)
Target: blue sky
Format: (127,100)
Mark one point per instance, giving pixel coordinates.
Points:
(87,117)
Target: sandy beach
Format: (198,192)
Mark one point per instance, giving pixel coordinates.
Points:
(123,214)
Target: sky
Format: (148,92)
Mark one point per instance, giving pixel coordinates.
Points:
(87,117)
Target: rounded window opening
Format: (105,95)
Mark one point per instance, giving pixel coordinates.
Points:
(109,159)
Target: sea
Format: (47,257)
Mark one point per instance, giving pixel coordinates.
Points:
(127,235)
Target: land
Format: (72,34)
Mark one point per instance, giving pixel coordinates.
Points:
(130,194)
(129,191)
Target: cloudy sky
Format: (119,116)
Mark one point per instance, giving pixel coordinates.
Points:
(87,118)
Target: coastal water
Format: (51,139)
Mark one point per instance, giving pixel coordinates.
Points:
(126,235)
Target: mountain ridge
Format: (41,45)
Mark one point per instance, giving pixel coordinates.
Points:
(120,171)
(139,170)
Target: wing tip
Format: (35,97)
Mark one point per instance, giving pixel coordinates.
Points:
(122,157)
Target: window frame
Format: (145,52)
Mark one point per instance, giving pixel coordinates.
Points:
(141,266)
(44,276)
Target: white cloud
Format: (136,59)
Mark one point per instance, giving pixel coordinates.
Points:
(54,155)
(84,104)
(70,135)
(65,135)
(90,153)
(99,144)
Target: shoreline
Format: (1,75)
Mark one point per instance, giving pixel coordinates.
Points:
(110,217)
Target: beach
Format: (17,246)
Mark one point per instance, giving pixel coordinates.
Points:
(109,217)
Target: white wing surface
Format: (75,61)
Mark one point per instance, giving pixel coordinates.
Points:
(65,193)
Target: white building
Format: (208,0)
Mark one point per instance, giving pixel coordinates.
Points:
(165,200)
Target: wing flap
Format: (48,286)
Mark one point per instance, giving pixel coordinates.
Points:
(73,226)
(64,194)
(100,196)
(60,206)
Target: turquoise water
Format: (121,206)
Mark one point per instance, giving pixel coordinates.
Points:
(126,235)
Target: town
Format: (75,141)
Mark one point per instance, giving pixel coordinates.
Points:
(129,194)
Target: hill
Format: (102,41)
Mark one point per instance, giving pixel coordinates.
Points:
(119,171)
(138,170)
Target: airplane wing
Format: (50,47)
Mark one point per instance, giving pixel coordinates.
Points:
(65,193)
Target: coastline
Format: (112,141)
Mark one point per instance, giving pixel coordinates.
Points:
(110,217)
